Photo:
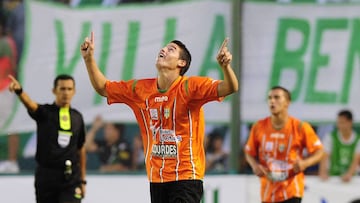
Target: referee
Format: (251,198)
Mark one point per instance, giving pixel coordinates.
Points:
(60,152)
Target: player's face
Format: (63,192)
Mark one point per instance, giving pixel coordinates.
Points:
(343,124)
(277,101)
(64,92)
(168,57)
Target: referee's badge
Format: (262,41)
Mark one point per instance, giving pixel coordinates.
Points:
(64,138)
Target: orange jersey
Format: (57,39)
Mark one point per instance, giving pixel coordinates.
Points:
(171,123)
(277,150)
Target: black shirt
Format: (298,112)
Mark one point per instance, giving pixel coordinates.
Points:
(119,153)
(49,152)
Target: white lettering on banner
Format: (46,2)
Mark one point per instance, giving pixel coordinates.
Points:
(164,151)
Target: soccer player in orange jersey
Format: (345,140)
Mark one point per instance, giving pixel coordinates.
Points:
(274,150)
(169,112)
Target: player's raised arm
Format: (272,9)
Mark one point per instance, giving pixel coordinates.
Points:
(230,83)
(23,96)
(97,78)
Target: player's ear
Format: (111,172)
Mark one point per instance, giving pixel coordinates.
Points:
(181,63)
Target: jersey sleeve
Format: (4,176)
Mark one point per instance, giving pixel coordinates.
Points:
(203,88)
(312,141)
(82,132)
(119,91)
(252,144)
(37,114)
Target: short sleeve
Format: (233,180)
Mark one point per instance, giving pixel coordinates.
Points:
(251,144)
(119,91)
(204,88)
(312,141)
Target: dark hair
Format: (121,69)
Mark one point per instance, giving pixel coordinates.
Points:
(184,55)
(287,93)
(63,77)
(347,114)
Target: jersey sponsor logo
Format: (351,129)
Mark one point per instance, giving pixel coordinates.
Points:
(161,99)
(164,151)
(167,135)
(277,135)
(154,114)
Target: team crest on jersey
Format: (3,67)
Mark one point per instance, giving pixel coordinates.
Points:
(154,114)
(166,113)
(281,147)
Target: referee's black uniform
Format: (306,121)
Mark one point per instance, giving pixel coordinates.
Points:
(55,145)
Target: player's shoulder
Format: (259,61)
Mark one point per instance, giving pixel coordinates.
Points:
(145,80)
(261,122)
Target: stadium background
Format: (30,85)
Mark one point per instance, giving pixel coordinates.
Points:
(308,46)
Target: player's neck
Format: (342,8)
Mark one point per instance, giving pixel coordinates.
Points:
(346,134)
(278,121)
(165,80)
(62,105)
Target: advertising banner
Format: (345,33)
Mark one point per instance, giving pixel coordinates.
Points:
(312,50)
(128,39)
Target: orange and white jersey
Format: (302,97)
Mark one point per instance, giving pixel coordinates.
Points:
(171,123)
(277,150)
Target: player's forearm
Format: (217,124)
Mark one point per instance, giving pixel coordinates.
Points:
(251,160)
(28,102)
(314,158)
(97,78)
(354,165)
(89,142)
(323,166)
(230,83)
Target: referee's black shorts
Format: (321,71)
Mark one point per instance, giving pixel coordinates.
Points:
(50,186)
(183,191)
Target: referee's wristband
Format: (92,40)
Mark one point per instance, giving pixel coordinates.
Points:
(18,91)
(83,182)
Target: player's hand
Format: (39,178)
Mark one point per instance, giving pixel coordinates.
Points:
(299,166)
(224,57)
(14,85)
(323,177)
(88,46)
(260,170)
(346,177)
